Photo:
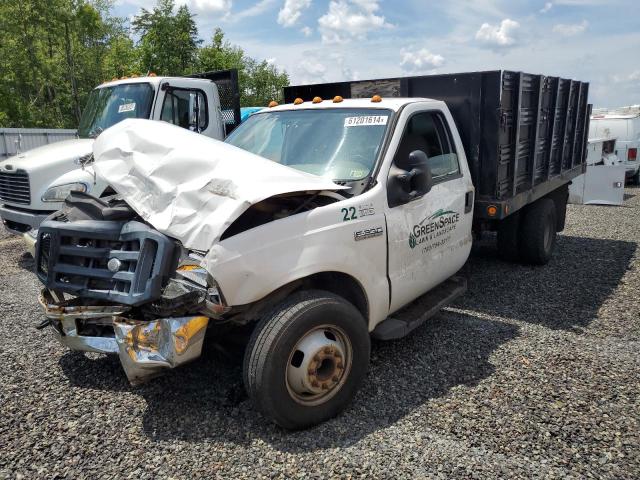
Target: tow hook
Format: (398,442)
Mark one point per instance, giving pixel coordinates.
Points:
(43,324)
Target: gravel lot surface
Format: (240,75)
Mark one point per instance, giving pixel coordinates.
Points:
(534,373)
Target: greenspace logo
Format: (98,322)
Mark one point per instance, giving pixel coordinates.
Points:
(434,226)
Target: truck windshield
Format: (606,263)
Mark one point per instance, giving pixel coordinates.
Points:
(110,105)
(339,143)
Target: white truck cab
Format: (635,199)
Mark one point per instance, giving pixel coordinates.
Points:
(319,223)
(428,238)
(35,183)
(623,124)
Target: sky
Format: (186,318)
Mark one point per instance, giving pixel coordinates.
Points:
(333,40)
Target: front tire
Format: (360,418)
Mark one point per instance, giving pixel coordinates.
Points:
(306,359)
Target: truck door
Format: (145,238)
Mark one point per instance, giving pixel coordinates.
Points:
(430,236)
(191,104)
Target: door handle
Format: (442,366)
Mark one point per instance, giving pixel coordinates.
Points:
(468,201)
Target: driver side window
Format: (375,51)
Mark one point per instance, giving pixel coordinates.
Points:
(428,132)
(184,107)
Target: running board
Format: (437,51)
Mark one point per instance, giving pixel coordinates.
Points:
(420,310)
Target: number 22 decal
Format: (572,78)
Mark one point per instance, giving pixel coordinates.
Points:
(349,214)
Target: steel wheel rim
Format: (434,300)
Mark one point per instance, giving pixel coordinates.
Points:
(318,365)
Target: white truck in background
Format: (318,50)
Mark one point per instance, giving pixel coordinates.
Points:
(623,124)
(34,184)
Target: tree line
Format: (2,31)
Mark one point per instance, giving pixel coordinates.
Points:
(54,52)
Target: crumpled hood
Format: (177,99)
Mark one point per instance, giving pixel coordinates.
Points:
(189,186)
(56,158)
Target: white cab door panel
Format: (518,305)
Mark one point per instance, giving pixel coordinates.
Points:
(430,237)
(192,104)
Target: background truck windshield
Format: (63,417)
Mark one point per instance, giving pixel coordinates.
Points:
(340,144)
(110,105)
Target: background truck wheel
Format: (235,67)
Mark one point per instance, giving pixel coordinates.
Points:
(508,238)
(635,180)
(538,232)
(306,359)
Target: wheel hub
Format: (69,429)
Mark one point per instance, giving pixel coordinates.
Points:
(318,364)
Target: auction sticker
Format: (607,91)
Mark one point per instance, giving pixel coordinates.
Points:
(365,120)
(127,107)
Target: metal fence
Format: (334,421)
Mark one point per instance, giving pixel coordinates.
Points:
(13,140)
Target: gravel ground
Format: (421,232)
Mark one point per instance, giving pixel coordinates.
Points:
(534,373)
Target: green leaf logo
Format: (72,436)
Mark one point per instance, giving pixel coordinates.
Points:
(440,213)
(412,241)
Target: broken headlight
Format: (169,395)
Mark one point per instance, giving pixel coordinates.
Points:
(190,275)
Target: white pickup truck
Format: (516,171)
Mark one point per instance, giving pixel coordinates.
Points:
(35,183)
(319,223)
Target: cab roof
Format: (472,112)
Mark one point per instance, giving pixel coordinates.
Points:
(614,116)
(624,113)
(155,81)
(391,103)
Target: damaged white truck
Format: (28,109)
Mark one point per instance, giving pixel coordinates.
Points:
(322,223)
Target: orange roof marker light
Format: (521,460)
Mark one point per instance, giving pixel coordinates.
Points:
(492,210)
(152,74)
(376,99)
(337,99)
(298,101)
(317,100)
(273,103)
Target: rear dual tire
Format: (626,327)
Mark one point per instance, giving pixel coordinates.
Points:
(529,236)
(306,359)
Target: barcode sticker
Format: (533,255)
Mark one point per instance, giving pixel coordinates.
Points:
(365,120)
(127,107)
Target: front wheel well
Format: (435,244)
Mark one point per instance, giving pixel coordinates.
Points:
(340,284)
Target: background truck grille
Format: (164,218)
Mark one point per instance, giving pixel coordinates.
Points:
(74,257)
(14,187)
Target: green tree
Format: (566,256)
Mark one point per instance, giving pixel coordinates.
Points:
(52,53)
(168,42)
(260,82)
(263,83)
(121,58)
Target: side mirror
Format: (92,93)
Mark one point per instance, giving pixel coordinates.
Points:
(409,178)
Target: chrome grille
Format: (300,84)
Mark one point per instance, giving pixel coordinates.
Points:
(14,187)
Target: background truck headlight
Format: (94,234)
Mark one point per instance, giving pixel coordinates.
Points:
(60,192)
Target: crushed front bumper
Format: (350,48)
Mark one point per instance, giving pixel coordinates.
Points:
(145,348)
